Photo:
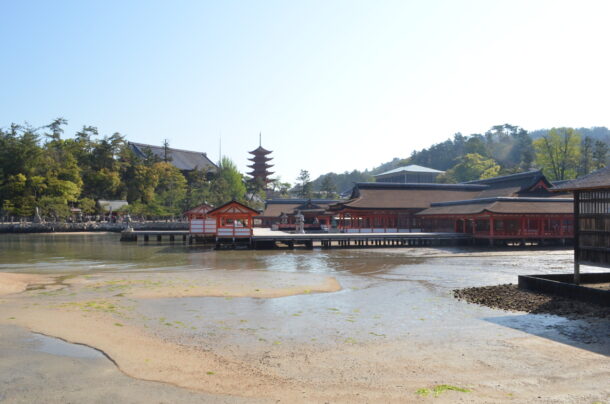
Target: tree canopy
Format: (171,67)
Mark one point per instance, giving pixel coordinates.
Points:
(39,168)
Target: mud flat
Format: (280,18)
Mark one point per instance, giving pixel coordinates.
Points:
(15,283)
(254,284)
(346,326)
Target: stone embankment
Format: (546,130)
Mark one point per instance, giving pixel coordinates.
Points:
(59,227)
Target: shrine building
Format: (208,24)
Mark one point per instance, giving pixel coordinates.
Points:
(279,213)
(518,206)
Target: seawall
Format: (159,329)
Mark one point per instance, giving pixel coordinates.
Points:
(58,227)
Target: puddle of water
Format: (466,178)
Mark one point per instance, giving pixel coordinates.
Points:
(55,346)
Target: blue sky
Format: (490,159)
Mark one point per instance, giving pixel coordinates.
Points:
(332,85)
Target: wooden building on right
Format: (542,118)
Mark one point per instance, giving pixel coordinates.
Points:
(591,219)
(591,243)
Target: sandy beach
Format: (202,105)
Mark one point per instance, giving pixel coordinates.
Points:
(382,326)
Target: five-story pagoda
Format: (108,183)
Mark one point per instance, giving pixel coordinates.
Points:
(260,168)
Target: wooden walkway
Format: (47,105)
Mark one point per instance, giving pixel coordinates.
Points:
(357,240)
(267,239)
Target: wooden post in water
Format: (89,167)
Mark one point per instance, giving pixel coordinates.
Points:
(576,238)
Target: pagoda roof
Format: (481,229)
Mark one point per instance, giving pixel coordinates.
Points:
(260,166)
(260,174)
(261,158)
(260,150)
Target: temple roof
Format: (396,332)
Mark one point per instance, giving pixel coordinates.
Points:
(596,180)
(275,207)
(185,160)
(260,173)
(514,184)
(198,210)
(260,166)
(232,207)
(379,195)
(374,195)
(413,168)
(260,158)
(502,205)
(260,150)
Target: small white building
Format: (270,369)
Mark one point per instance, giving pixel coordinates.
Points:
(411,174)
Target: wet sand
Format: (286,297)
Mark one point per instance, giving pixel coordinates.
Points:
(14,283)
(335,326)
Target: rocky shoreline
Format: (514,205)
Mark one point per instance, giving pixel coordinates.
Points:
(509,297)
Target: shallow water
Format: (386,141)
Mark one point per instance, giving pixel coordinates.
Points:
(387,293)
(56,346)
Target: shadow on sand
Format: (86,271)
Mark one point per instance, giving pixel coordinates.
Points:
(588,333)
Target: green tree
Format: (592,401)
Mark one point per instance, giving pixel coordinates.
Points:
(87,205)
(586,156)
(328,187)
(471,167)
(558,153)
(170,192)
(600,155)
(227,185)
(304,186)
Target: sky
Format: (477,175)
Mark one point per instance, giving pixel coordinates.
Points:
(331,85)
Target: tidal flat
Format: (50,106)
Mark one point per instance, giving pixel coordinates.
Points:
(167,323)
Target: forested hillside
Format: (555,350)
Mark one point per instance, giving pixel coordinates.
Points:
(41,169)
(38,168)
(563,153)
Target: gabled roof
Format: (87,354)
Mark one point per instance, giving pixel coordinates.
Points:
(310,206)
(275,207)
(596,180)
(184,160)
(232,207)
(199,210)
(413,168)
(377,195)
(514,184)
(502,205)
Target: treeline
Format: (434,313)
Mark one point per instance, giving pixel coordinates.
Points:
(563,153)
(40,169)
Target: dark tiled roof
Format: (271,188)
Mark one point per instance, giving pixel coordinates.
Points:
(260,150)
(406,196)
(511,185)
(184,160)
(505,205)
(378,195)
(596,180)
(275,207)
